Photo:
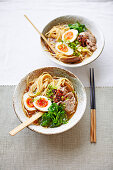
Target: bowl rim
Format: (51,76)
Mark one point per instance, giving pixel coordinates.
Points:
(50,133)
(74,65)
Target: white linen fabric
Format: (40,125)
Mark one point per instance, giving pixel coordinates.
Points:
(20,49)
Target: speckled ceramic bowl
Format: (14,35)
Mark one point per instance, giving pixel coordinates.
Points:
(54,71)
(71,19)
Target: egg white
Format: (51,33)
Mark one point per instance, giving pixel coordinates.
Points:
(75,34)
(44,109)
(25,96)
(69,52)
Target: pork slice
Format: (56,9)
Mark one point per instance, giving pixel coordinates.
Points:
(70,102)
(69,106)
(69,95)
(88,39)
(64,90)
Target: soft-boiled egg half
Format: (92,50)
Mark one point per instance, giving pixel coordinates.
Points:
(63,48)
(42,103)
(70,35)
(28,102)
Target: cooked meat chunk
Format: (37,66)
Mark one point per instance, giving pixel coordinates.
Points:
(63,96)
(71,59)
(70,103)
(64,90)
(69,95)
(87,39)
(69,106)
(82,38)
(58,96)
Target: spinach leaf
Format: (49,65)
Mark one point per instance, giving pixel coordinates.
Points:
(55,116)
(78,26)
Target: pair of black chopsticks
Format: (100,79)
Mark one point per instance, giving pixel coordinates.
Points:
(93,107)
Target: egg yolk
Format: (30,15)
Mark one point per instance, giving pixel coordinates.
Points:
(68,35)
(29,102)
(63,47)
(42,102)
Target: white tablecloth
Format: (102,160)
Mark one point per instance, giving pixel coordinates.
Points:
(20,49)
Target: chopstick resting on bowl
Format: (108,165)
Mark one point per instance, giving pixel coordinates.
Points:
(92,107)
(26,123)
(57,54)
(44,38)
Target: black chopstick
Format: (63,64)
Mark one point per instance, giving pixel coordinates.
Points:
(93,107)
(94,104)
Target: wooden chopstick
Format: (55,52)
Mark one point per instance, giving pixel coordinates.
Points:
(93,107)
(25,124)
(44,38)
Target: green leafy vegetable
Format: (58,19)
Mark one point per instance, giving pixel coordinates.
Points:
(50,91)
(55,116)
(76,53)
(38,93)
(73,45)
(73,92)
(60,41)
(77,26)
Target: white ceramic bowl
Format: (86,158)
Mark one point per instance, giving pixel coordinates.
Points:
(54,71)
(71,19)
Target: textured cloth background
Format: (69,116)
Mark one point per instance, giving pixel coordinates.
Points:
(71,150)
(20,49)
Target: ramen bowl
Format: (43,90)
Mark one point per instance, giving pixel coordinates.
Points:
(71,19)
(54,71)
